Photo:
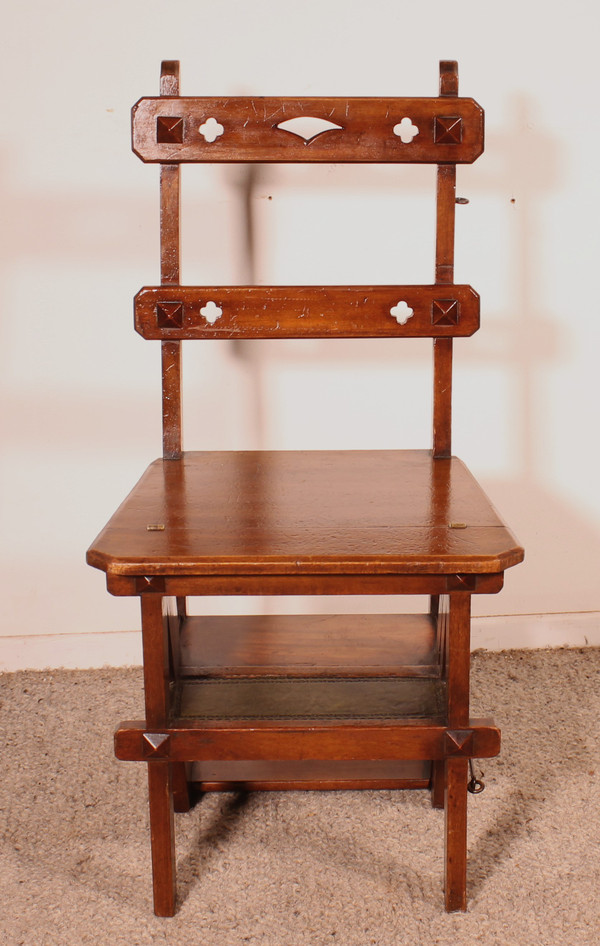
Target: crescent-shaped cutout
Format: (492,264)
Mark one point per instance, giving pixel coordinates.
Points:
(307,126)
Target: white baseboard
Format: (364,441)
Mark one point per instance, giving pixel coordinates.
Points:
(72,651)
(519,631)
(124,648)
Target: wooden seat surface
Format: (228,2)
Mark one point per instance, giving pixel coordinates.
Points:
(305,512)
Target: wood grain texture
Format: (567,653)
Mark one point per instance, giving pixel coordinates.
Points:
(320,583)
(309,775)
(444,274)
(445,223)
(366,132)
(171,399)
(169,77)
(455,837)
(270,645)
(160,794)
(442,397)
(458,659)
(305,513)
(155,645)
(180,780)
(170,256)
(311,697)
(437,783)
(314,739)
(170,214)
(305,311)
(448,77)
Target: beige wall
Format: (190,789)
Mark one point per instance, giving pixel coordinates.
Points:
(80,389)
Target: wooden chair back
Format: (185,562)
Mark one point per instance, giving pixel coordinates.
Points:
(172,130)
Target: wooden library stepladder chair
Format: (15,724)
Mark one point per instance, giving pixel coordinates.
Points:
(306,701)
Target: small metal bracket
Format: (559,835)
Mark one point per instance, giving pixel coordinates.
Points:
(476,785)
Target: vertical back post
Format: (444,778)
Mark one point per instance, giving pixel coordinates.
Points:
(169,276)
(444,273)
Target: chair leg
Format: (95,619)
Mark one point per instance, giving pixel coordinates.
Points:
(160,791)
(437,785)
(181,791)
(455,804)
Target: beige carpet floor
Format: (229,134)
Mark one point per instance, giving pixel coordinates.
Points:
(288,869)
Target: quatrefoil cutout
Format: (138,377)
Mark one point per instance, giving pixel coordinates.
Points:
(211,312)
(402,312)
(307,126)
(406,131)
(211,130)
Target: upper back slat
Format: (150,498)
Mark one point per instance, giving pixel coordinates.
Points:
(179,129)
(179,312)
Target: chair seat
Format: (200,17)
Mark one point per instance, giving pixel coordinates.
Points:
(368,512)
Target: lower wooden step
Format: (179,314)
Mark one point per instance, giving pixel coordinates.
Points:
(309,775)
(309,644)
(312,698)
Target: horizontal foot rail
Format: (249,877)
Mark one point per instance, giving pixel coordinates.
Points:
(197,741)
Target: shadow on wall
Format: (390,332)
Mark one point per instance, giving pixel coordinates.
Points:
(520,339)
